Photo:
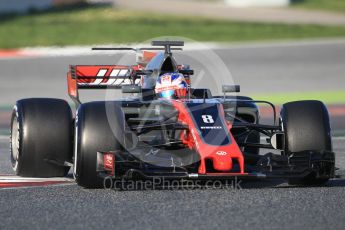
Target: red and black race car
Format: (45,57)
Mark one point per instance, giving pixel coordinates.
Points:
(193,136)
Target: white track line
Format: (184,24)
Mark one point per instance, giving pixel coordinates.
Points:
(38,186)
(13,178)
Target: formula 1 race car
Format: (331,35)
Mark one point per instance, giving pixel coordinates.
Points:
(189,135)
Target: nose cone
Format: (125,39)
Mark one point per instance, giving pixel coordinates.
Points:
(222,163)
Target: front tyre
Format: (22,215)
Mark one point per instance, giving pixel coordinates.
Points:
(307,128)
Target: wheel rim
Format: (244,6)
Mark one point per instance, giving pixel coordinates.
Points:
(15,136)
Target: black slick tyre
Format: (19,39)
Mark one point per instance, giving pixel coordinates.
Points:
(41,137)
(99,128)
(307,128)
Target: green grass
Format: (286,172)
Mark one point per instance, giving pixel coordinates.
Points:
(85,26)
(328,97)
(332,5)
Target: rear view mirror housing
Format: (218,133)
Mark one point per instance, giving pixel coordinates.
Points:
(231,88)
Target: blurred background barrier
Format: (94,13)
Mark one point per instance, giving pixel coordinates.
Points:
(67,2)
(23,6)
(255,3)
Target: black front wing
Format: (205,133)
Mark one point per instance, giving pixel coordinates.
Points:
(297,165)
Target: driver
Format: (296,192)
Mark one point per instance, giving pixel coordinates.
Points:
(171,86)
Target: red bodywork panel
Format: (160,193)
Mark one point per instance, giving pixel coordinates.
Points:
(72,86)
(221,156)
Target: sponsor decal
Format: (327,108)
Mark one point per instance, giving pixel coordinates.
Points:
(211,127)
(221,153)
(161,89)
(108,161)
(120,73)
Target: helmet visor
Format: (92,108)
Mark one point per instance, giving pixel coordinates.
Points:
(167,94)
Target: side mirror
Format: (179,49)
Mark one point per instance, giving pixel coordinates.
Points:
(131,89)
(231,88)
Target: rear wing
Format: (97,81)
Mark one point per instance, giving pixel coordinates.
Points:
(109,77)
(101,77)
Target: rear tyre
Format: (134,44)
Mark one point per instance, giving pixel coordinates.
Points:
(100,127)
(307,128)
(41,137)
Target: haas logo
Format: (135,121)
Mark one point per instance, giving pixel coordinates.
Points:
(221,153)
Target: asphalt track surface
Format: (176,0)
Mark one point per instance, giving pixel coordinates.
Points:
(258,205)
(281,67)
